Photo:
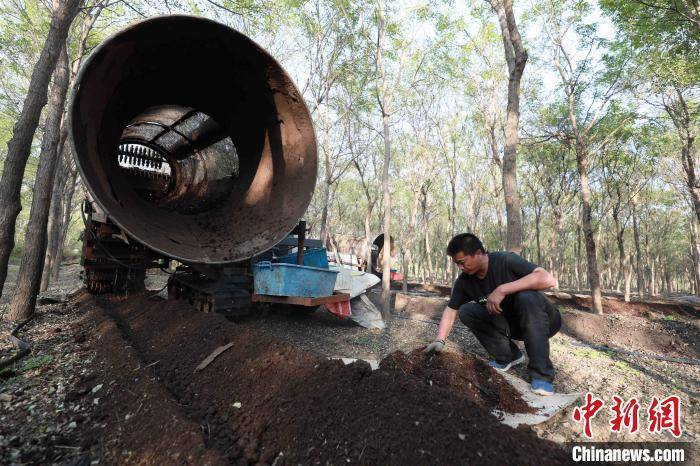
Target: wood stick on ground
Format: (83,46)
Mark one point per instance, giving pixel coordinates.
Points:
(214,354)
(23,347)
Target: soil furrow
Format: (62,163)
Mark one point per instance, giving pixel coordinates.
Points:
(266,401)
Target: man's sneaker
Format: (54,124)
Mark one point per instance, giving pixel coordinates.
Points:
(504,367)
(542,387)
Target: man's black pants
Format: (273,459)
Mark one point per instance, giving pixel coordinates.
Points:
(526,316)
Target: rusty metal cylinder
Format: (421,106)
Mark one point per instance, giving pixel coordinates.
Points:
(193,139)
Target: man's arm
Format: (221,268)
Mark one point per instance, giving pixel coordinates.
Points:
(538,279)
(446,323)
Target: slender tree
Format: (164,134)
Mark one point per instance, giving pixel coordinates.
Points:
(55,217)
(64,170)
(686,120)
(19,146)
(29,277)
(516,59)
(383,97)
(583,127)
(328,35)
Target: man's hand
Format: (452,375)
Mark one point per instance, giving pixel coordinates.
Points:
(435,347)
(493,302)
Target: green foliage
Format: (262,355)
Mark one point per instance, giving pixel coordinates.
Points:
(446,74)
(588,353)
(669,27)
(20,25)
(35,362)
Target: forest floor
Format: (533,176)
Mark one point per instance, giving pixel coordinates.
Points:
(112,380)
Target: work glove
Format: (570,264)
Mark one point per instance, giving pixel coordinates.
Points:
(435,347)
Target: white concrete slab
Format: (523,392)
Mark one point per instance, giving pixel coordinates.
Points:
(545,406)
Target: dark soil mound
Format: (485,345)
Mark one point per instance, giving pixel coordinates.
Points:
(617,305)
(666,337)
(466,376)
(266,401)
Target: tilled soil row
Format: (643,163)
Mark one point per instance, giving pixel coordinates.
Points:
(264,401)
(137,419)
(466,376)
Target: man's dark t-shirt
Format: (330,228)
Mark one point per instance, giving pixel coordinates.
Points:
(504,267)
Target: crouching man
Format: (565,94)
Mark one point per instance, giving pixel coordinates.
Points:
(497,296)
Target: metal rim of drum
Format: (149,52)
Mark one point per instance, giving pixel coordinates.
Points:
(199,63)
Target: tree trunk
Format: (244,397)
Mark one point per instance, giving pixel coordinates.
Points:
(428,250)
(586,221)
(55,217)
(407,246)
(386,262)
(368,238)
(326,181)
(405,259)
(628,278)
(579,285)
(638,249)
(555,245)
(324,213)
(537,236)
(383,100)
(663,284)
(682,122)
(19,146)
(453,227)
(680,114)
(29,277)
(695,250)
(514,233)
(516,59)
(56,230)
(649,262)
(502,229)
(622,256)
(65,224)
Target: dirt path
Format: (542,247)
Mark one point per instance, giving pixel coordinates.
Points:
(262,401)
